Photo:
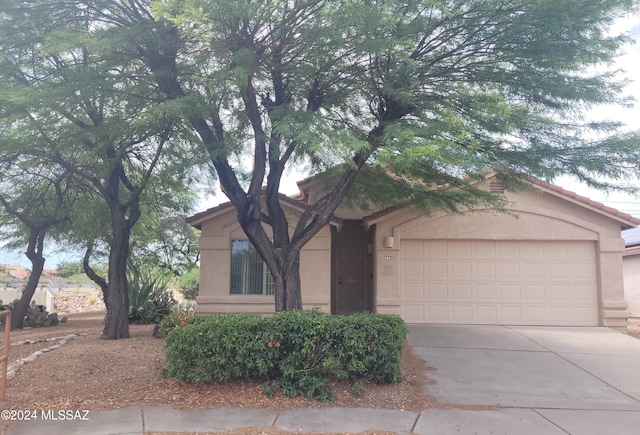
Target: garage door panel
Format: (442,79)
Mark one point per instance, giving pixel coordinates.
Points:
(414,291)
(557,271)
(508,250)
(582,315)
(510,292)
(437,249)
(438,291)
(414,312)
(534,293)
(462,313)
(413,248)
(533,250)
(461,248)
(484,270)
(462,291)
(438,269)
(533,271)
(486,292)
(484,249)
(508,270)
(510,314)
(460,270)
(487,313)
(499,282)
(583,294)
(559,293)
(556,250)
(583,272)
(413,269)
(535,315)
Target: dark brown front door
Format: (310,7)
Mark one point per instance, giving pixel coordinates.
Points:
(351,276)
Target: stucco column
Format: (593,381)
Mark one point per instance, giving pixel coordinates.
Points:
(387,276)
(614,307)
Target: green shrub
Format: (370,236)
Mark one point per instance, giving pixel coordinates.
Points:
(189,283)
(300,350)
(220,348)
(181,317)
(149,298)
(68,268)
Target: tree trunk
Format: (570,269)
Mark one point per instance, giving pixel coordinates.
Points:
(288,294)
(117,320)
(93,276)
(35,255)
(20,311)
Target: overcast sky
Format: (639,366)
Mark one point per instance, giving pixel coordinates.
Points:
(629,61)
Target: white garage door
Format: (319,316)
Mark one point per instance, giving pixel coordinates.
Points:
(498,282)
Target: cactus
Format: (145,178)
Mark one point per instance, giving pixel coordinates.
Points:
(36,315)
(53,319)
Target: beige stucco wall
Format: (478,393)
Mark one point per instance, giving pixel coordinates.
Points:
(531,215)
(215,271)
(631,263)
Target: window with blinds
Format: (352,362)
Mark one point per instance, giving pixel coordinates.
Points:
(249,274)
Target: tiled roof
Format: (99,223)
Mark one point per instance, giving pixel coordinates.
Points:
(584,200)
(626,219)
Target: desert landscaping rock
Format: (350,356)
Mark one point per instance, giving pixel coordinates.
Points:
(13,369)
(78,301)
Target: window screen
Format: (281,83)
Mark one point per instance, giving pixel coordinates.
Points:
(249,274)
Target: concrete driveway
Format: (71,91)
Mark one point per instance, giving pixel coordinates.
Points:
(541,380)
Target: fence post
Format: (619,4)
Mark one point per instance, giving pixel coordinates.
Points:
(5,353)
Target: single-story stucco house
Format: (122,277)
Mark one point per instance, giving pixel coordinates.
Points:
(631,266)
(554,259)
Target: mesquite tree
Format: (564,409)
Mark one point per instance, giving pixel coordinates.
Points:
(89,113)
(35,201)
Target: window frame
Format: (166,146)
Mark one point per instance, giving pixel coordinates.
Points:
(243,278)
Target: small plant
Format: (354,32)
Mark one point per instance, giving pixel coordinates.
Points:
(149,298)
(189,283)
(53,319)
(358,388)
(92,300)
(182,317)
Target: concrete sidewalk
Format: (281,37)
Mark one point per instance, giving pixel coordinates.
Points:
(138,420)
(506,421)
(522,380)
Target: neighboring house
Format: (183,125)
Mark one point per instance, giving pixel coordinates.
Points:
(631,262)
(16,271)
(554,259)
(50,272)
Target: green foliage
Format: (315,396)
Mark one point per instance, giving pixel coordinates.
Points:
(180,317)
(149,298)
(295,351)
(358,388)
(189,283)
(67,269)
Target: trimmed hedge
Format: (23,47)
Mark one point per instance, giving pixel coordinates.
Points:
(294,351)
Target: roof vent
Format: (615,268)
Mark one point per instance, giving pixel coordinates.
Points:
(495,186)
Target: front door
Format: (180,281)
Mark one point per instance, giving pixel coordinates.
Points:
(351,280)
